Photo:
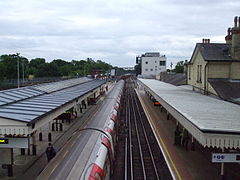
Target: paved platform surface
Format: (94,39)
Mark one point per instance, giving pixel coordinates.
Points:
(186,164)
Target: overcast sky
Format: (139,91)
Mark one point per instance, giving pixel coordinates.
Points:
(112,30)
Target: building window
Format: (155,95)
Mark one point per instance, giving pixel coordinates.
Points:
(199,73)
(146,69)
(162,63)
(146,62)
(189,72)
(155,69)
(151,69)
(155,61)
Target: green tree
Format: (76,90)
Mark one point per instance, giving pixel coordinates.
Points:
(179,67)
(8,66)
(65,67)
(34,66)
(48,70)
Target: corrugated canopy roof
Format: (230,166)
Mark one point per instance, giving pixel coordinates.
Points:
(51,87)
(19,94)
(36,103)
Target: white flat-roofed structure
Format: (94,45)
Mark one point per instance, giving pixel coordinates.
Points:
(212,122)
(152,63)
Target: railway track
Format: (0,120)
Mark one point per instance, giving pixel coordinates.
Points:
(143,156)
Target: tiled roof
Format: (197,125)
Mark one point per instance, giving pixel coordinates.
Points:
(214,52)
(227,89)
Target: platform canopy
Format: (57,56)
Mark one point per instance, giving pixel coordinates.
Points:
(22,107)
(212,122)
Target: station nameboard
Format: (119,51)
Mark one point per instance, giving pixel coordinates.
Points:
(225,157)
(13,142)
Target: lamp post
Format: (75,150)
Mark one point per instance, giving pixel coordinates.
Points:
(23,73)
(17,54)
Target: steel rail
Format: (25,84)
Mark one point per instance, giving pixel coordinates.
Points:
(146,138)
(138,138)
(130,137)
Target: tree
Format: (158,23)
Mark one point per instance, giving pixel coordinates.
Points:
(48,70)
(34,66)
(64,67)
(179,67)
(8,66)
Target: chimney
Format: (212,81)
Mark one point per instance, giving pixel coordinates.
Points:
(235,48)
(228,37)
(205,41)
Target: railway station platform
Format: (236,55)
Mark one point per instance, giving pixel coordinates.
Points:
(185,164)
(27,166)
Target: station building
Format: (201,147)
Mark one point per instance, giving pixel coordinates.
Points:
(214,67)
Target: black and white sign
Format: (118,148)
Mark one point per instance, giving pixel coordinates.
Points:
(225,157)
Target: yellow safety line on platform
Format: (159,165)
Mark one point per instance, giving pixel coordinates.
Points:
(168,154)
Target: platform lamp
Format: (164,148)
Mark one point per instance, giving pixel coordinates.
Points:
(18,68)
(17,55)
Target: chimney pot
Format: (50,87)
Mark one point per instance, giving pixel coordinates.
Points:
(235,21)
(229,31)
(239,21)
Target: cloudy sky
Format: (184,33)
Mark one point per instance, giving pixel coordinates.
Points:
(112,30)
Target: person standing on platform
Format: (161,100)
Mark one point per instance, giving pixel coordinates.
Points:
(185,139)
(177,138)
(50,152)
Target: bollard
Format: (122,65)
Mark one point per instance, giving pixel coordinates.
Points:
(40,136)
(161,108)
(80,110)
(53,127)
(60,126)
(34,150)
(10,170)
(49,137)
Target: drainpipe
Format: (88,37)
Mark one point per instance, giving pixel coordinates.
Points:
(205,79)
